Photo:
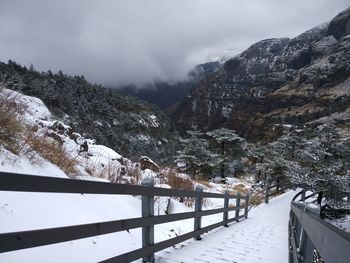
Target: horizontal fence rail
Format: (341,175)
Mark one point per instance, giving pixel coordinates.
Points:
(33,183)
(309,233)
(39,237)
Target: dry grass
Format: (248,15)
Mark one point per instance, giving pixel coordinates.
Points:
(204,182)
(134,173)
(256,200)
(240,188)
(11,128)
(50,150)
(178,182)
(18,138)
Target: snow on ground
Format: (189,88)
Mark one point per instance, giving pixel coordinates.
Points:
(12,163)
(26,211)
(19,211)
(342,223)
(263,237)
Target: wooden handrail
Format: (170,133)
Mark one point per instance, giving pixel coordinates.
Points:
(39,237)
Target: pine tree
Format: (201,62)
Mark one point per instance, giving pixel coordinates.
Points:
(317,161)
(195,156)
(231,147)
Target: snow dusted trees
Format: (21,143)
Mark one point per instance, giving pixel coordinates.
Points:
(315,158)
(195,156)
(324,162)
(199,156)
(231,148)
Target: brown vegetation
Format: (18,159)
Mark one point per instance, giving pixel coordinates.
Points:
(10,123)
(50,150)
(240,188)
(21,139)
(176,181)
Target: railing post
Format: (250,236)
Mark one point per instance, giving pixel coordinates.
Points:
(238,204)
(198,208)
(303,193)
(267,191)
(148,211)
(226,201)
(246,204)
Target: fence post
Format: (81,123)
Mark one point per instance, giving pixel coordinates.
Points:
(267,191)
(198,208)
(148,211)
(247,204)
(238,204)
(303,193)
(226,201)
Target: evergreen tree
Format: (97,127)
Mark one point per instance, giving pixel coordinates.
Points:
(231,148)
(315,159)
(195,156)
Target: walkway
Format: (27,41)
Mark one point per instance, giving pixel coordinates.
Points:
(263,237)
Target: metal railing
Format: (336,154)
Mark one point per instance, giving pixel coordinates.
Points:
(275,186)
(310,236)
(40,237)
(271,187)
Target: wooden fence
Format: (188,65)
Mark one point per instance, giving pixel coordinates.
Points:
(40,237)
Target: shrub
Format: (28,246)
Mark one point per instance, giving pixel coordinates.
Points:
(256,200)
(134,174)
(203,182)
(240,188)
(10,123)
(179,182)
(50,150)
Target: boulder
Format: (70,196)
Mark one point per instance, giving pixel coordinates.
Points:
(148,163)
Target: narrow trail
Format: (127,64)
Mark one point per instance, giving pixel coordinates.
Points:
(263,237)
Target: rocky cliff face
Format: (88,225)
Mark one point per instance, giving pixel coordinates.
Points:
(276,81)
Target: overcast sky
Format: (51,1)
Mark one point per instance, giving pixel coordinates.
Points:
(135,41)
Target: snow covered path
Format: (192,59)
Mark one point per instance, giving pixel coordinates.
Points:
(260,238)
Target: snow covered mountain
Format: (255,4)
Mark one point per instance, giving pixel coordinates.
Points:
(276,81)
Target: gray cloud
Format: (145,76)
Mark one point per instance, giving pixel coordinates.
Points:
(136,41)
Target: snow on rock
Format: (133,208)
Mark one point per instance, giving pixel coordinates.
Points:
(103,153)
(153,121)
(34,108)
(147,173)
(148,163)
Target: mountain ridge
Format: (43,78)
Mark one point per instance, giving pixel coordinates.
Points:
(271,81)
